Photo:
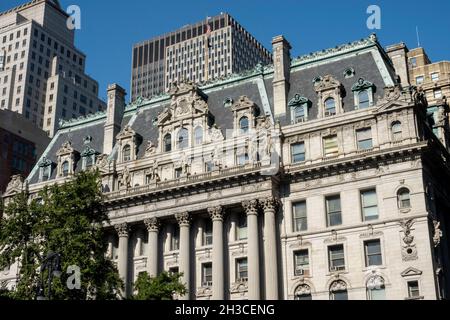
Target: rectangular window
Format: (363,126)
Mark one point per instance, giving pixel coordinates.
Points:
(413,62)
(336,258)
(242,227)
(301,263)
(437,94)
(241,270)
(300,217)
(435,76)
(298,152)
(419,80)
(330,146)
(207,275)
(334,213)
(373,253)
(208,233)
(369,203)
(413,289)
(178,173)
(175,244)
(364,138)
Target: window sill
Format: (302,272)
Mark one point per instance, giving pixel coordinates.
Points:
(416,298)
(371,268)
(334,273)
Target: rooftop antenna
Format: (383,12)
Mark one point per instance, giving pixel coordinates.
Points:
(418,37)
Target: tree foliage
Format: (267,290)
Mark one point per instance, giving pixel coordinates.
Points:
(162,287)
(67,219)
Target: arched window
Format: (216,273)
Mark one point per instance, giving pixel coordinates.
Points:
(338,290)
(65,168)
(126,153)
(376,288)
(244,125)
(303,292)
(397,134)
(404,198)
(183,138)
(299,114)
(198,136)
(168,143)
(330,107)
(364,100)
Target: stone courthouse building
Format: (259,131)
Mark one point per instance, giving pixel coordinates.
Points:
(318,177)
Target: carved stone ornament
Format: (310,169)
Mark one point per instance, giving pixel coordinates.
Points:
(409,249)
(338,285)
(240,286)
(183,219)
(204,292)
(216,134)
(269,204)
(152,224)
(375,282)
(303,290)
(122,230)
(150,149)
(16,184)
(251,207)
(65,149)
(127,132)
(327,83)
(216,213)
(437,233)
(102,162)
(125,179)
(243,103)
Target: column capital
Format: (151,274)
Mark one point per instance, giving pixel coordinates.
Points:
(251,207)
(183,219)
(269,203)
(122,229)
(216,213)
(152,224)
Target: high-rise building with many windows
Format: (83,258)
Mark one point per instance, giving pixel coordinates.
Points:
(42,74)
(209,49)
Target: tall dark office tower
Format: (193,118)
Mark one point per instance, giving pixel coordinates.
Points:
(209,49)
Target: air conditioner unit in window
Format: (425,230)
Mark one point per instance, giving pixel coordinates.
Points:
(299,271)
(337,268)
(207,284)
(329,114)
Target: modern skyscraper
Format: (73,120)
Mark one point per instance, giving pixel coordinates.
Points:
(209,49)
(42,74)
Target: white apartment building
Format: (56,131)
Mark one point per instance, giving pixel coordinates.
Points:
(42,74)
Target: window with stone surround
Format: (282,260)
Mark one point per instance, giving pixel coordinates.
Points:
(404,198)
(330,146)
(168,142)
(330,107)
(241,269)
(207,275)
(373,254)
(334,212)
(396,129)
(364,139)
(298,152)
(300,216)
(208,233)
(301,263)
(336,258)
(369,204)
(175,241)
(126,153)
(413,290)
(241,228)
(65,169)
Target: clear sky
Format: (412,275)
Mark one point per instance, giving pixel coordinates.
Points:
(110,28)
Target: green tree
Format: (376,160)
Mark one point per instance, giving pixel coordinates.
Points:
(68,219)
(162,287)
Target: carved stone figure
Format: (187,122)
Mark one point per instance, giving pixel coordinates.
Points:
(409,249)
(125,181)
(150,149)
(437,233)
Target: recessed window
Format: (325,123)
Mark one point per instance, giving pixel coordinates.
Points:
(330,107)
(198,135)
(244,125)
(435,76)
(183,139)
(300,217)
(413,62)
(369,203)
(364,138)
(301,263)
(88,162)
(336,258)
(168,143)
(46,172)
(373,253)
(397,134)
(241,270)
(437,94)
(178,173)
(207,275)
(330,146)
(242,157)
(65,169)
(298,152)
(300,113)
(413,290)
(364,100)
(126,153)
(175,241)
(376,290)
(334,213)
(339,295)
(208,233)
(404,199)
(419,80)
(241,229)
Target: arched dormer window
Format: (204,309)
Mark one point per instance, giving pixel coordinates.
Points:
(404,198)
(168,142)
(330,107)
(198,136)
(45,170)
(243,125)
(46,173)
(363,94)
(183,138)
(65,169)
(126,153)
(397,134)
(299,109)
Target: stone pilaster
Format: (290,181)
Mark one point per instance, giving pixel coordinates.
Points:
(153,226)
(184,222)
(123,232)
(218,288)
(251,209)
(269,206)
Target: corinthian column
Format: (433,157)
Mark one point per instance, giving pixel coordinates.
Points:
(123,232)
(184,221)
(152,253)
(254,291)
(269,206)
(218,287)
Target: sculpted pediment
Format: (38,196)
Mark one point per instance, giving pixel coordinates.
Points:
(326,83)
(65,149)
(411,272)
(127,132)
(15,186)
(389,105)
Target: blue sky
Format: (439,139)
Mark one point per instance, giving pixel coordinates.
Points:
(109,31)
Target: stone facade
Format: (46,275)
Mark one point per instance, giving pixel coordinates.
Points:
(338,193)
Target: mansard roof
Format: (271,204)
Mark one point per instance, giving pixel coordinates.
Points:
(365,57)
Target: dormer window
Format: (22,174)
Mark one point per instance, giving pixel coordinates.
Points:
(126,153)
(198,136)
(299,114)
(45,170)
(88,156)
(65,169)
(88,162)
(299,106)
(183,139)
(330,107)
(67,160)
(363,94)
(168,143)
(244,125)
(397,134)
